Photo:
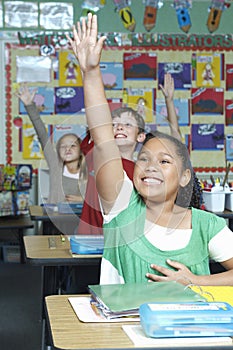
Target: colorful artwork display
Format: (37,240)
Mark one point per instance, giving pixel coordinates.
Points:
(207,101)
(31,144)
(140,66)
(112,75)
(69,100)
(61,130)
(69,70)
(229,148)
(208,137)
(143,101)
(182,111)
(44,100)
(229,112)
(208,70)
(132,77)
(181,73)
(229,77)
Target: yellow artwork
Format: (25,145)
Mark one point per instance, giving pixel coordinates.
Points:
(142,100)
(69,70)
(31,144)
(208,70)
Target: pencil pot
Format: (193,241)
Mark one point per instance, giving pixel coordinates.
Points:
(229,201)
(214,201)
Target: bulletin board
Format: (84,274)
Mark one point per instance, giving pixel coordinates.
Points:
(132,73)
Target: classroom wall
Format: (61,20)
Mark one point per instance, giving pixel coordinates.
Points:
(166,22)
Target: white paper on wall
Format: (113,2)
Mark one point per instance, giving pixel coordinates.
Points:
(33,69)
(21,14)
(57,15)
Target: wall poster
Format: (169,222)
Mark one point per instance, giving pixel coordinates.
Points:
(132,75)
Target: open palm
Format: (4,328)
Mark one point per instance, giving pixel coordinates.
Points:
(84,44)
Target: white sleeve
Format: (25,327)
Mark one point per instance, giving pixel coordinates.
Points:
(221,246)
(122,200)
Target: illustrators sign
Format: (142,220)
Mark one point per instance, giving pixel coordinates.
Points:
(154,41)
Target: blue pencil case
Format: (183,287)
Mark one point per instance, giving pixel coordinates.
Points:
(197,319)
(70,208)
(87,244)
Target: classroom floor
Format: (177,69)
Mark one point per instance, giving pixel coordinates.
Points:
(19,307)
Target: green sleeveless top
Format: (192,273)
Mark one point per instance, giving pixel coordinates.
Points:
(128,250)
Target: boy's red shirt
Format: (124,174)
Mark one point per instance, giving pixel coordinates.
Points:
(91,219)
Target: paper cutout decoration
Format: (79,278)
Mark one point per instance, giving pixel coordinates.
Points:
(125,14)
(69,100)
(139,65)
(208,70)
(143,101)
(33,69)
(69,70)
(150,13)
(112,75)
(182,111)
(215,13)
(208,137)
(44,100)
(182,13)
(207,101)
(181,73)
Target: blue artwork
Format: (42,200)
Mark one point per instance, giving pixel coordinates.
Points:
(229,147)
(69,100)
(181,73)
(44,100)
(112,74)
(181,108)
(208,137)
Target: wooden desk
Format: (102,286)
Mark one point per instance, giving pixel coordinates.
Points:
(38,253)
(17,224)
(67,332)
(54,222)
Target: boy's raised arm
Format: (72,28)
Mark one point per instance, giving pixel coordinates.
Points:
(168,93)
(108,165)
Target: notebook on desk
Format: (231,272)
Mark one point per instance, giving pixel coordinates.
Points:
(117,300)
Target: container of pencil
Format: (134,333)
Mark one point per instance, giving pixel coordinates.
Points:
(214,200)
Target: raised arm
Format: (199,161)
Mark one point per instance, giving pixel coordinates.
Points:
(168,93)
(108,165)
(27,96)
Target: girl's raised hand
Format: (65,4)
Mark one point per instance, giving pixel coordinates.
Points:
(26,95)
(168,88)
(85,45)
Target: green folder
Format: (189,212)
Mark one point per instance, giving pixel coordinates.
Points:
(118,298)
